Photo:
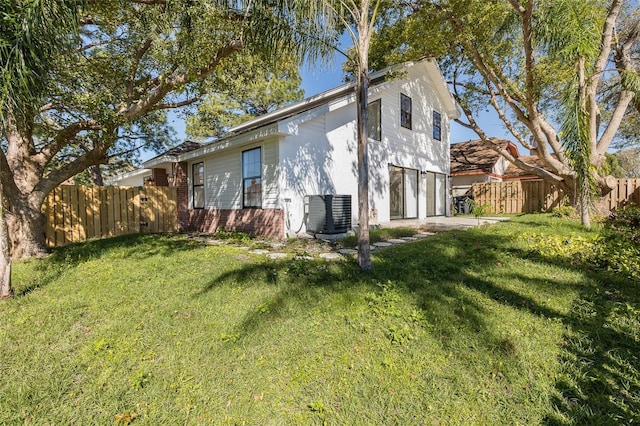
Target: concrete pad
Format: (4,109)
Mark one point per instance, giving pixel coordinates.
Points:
(396,241)
(277,255)
(382,244)
(258,251)
(330,256)
(442,222)
(410,238)
(347,252)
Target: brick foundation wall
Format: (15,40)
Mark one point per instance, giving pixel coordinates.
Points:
(263,222)
(182,189)
(160,177)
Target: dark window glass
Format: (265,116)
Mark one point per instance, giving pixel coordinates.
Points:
(374,127)
(198,185)
(405,111)
(252,178)
(437,126)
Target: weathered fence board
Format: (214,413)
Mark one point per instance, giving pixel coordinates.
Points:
(627,191)
(78,213)
(540,196)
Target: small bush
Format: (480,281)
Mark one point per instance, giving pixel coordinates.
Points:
(621,249)
(565,211)
(625,222)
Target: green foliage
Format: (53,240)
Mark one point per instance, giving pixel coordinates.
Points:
(33,34)
(233,236)
(616,248)
(626,223)
(255,88)
(629,162)
(479,210)
(565,211)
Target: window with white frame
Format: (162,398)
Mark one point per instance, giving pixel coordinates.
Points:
(252,178)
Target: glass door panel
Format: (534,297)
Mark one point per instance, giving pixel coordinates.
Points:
(431,194)
(396,193)
(410,193)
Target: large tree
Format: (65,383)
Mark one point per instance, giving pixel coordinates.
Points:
(545,67)
(255,88)
(133,60)
(29,43)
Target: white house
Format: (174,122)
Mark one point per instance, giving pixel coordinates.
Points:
(264,176)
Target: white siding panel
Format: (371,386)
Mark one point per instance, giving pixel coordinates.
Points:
(319,159)
(223,180)
(270,193)
(223,177)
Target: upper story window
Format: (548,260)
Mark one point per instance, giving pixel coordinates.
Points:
(405,111)
(252,178)
(437,126)
(198,185)
(374,116)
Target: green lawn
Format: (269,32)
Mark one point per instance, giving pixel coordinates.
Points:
(467,327)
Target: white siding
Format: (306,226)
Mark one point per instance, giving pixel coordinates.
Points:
(410,148)
(319,155)
(318,159)
(223,177)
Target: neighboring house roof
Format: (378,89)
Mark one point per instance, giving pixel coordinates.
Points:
(114,180)
(344,91)
(514,172)
(475,157)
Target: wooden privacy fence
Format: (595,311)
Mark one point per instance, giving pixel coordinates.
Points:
(541,196)
(627,191)
(518,196)
(78,213)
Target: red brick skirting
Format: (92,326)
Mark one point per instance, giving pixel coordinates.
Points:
(263,222)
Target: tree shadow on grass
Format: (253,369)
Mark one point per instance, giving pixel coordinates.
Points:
(599,380)
(601,357)
(132,246)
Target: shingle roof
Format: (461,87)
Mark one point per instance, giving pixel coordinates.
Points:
(514,171)
(185,146)
(475,156)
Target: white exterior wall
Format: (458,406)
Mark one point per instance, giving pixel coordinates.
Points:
(223,177)
(408,148)
(318,157)
(319,153)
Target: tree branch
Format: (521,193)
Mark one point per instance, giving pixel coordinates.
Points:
(93,157)
(175,104)
(133,110)
(140,52)
(62,139)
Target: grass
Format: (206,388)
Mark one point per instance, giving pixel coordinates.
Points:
(468,327)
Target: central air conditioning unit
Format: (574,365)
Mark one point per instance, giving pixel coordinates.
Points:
(328,214)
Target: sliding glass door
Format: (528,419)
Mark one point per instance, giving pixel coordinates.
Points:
(436,194)
(403,193)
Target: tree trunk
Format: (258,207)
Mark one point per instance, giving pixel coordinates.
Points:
(585,208)
(6,290)
(96,175)
(26,230)
(364,247)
